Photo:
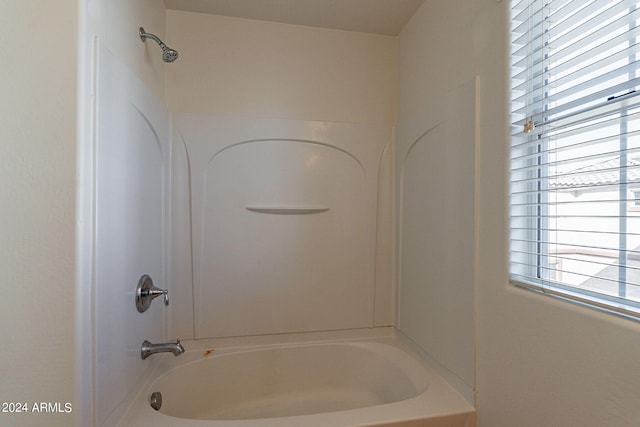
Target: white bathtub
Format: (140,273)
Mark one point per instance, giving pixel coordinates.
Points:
(366,382)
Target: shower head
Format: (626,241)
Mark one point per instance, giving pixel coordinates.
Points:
(168,54)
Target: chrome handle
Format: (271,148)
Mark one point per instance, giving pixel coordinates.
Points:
(156,292)
(146,292)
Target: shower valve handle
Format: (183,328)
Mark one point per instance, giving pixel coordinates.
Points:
(146,292)
(156,292)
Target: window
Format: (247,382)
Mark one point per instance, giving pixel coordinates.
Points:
(575,150)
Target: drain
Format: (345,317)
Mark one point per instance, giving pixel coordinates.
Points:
(155,400)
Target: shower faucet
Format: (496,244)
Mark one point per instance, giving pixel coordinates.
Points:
(168,54)
(148,349)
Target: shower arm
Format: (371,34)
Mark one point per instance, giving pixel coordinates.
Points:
(144,35)
(168,54)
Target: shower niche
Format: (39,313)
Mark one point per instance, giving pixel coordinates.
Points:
(282,219)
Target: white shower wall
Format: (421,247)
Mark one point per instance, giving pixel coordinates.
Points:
(334,91)
(122,217)
(287,226)
(131,228)
(435,176)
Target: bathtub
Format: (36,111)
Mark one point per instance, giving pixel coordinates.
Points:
(357,382)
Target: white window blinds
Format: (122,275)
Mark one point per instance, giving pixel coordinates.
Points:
(575,155)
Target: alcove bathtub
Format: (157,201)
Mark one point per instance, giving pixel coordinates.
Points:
(357,382)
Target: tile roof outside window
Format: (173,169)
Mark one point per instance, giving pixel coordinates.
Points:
(598,174)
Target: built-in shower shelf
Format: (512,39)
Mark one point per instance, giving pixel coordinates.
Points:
(287,210)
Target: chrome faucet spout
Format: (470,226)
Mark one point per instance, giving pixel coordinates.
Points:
(148,349)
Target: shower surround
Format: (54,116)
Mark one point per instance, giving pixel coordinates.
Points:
(277,227)
(271,227)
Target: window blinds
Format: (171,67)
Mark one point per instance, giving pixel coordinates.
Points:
(575,155)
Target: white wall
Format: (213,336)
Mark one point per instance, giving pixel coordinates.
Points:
(131,229)
(247,68)
(435,171)
(37,205)
(540,361)
(258,273)
(123,174)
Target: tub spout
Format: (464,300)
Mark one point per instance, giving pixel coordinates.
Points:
(167,347)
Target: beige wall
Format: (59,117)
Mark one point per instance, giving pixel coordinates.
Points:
(37,205)
(540,361)
(247,68)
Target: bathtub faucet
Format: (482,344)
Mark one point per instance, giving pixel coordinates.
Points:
(166,347)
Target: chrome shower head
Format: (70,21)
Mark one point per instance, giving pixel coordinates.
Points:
(168,54)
